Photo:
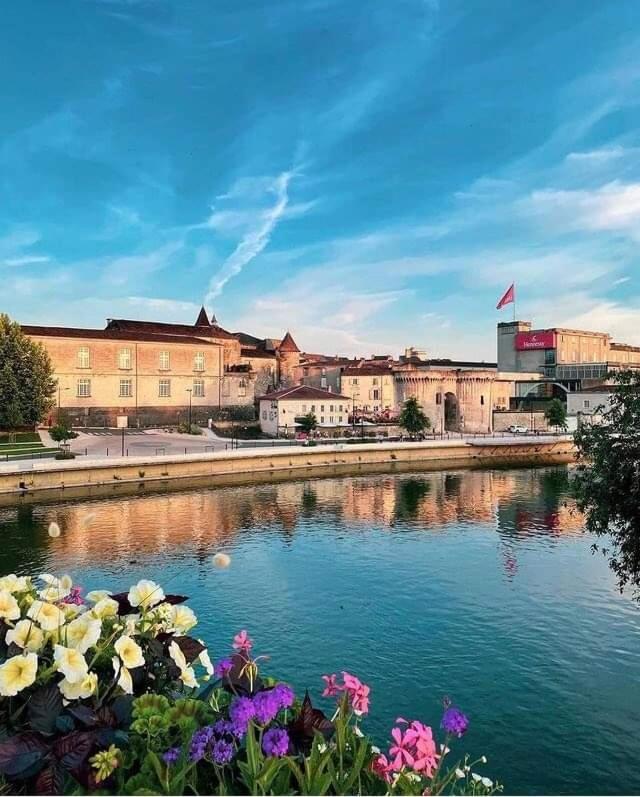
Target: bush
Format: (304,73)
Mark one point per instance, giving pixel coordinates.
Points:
(184,428)
(65,455)
(100,694)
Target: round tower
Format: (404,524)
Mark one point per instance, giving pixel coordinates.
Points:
(288,355)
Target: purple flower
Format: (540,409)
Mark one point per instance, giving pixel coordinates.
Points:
(275,742)
(284,695)
(199,742)
(266,706)
(454,721)
(222,752)
(222,726)
(223,667)
(171,756)
(241,711)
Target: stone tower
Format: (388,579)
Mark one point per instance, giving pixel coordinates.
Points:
(288,355)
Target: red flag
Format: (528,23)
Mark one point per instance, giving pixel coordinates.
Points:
(508,298)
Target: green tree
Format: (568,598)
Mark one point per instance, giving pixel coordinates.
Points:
(412,417)
(27,385)
(61,432)
(308,422)
(607,480)
(556,414)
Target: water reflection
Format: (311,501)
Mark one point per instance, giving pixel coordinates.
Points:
(519,504)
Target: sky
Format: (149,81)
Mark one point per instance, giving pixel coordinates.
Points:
(369,174)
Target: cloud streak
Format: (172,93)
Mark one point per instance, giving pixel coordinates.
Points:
(255,240)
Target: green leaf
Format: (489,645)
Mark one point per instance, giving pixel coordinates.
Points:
(157,766)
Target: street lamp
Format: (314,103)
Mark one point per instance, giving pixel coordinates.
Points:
(189,391)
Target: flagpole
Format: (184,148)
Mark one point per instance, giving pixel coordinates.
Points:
(514,301)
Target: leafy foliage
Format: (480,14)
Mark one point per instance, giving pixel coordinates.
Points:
(26,378)
(607,481)
(556,414)
(412,417)
(61,432)
(308,422)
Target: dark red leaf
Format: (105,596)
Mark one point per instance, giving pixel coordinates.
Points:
(18,754)
(124,607)
(44,707)
(73,749)
(50,780)
(87,716)
(175,599)
(237,679)
(190,647)
(309,721)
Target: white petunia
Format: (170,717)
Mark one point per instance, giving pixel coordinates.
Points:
(18,673)
(487,783)
(71,663)
(205,660)
(27,635)
(56,589)
(459,773)
(81,689)
(97,595)
(83,632)
(49,617)
(125,682)
(183,619)
(105,607)
(187,674)
(13,583)
(130,652)
(9,608)
(476,777)
(145,594)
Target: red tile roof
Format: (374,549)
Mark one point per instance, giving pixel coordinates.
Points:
(112,334)
(288,344)
(303,392)
(258,353)
(157,327)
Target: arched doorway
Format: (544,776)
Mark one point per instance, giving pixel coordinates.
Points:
(451,413)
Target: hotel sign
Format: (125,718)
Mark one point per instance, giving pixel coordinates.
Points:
(526,341)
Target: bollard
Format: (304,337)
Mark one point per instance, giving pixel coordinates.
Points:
(107,452)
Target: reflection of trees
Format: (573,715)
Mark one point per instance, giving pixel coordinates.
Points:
(25,540)
(410,495)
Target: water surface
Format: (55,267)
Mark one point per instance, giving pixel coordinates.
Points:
(479,585)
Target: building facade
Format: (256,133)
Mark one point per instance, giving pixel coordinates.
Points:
(281,410)
(157,373)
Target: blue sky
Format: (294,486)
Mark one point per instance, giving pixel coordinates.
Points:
(370,174)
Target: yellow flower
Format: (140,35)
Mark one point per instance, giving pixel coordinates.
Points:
(17,673)
(71,663)
(47,615)
(130,652)
(183,619)
(97,595)
(145,594)
(13,583)
(124,676)
(105,607)
(188,677)
(81,689)
(83,632)
(27,635)
(105,762)
(9,608)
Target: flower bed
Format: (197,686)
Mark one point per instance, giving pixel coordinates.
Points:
(111,694)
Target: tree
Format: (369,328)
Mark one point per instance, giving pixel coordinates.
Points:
(607,480)
(308,422)
(412,417)
(61,432)
(27,384)
(556,414)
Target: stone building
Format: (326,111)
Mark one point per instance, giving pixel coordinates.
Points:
(152,372)
(280,410)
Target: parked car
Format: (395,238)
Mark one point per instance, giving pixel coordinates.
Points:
(516,428)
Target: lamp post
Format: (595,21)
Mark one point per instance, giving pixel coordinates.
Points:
(189,391)
(60,389)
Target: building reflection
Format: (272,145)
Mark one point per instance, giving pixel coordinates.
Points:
(515,504)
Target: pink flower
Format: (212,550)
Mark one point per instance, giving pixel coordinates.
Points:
(242,642)
(381,767)
(426,758)
(358,693)
(332,687)
(74,597)
(401,751)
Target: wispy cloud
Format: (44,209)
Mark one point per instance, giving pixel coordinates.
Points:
(255,240)
(26,260)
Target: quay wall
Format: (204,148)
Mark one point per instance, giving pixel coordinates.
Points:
(99,475)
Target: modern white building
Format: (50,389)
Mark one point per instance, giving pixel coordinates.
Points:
(590,400)
(280,411)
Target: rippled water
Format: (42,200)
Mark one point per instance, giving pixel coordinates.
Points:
(479,585)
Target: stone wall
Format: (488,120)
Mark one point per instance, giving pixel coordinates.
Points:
(535,421)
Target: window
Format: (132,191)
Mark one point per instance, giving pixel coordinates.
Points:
(264,415)
(304,409)
(438,398)
(354,381)
(322,419)
(198,362)
(323,381)
(83,358)
(164,361)
(324,372)
(339,418)
(226,388)
(550,357)
(126,388)
(587,404)
(340,408)
(322,408)
(375,380)
(164,388)
(376,394)
(331,419)
(198,388)
(482,401)
(124,359)
(313,408)
(330,407)
(83,388)
(242,388)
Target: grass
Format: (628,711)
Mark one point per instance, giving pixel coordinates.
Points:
(20,437)
(27,444)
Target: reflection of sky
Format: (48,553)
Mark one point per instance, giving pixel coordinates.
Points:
(423,584)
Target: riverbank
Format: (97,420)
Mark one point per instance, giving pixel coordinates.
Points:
(30,480)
